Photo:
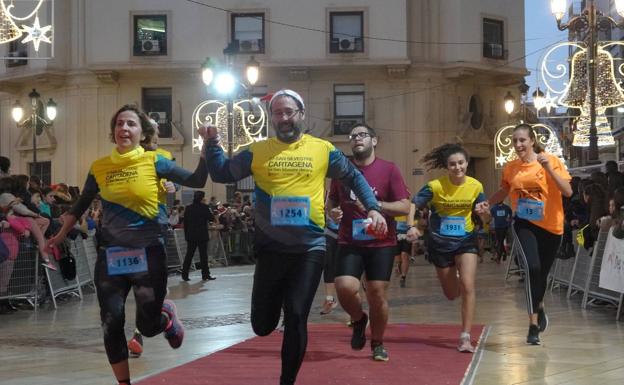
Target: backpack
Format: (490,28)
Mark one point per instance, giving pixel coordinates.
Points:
(67,262)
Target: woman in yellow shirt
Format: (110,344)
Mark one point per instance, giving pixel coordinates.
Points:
(535,184)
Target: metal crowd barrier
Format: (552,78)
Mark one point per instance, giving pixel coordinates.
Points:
(216,249)
(514,255)
(57,284)
(592,290)
(19,272)
(580,277)
(174,262)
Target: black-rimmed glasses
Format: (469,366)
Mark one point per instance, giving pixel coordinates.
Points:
(359,135)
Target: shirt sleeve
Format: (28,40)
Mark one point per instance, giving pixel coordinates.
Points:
(334,191)
(559,168)
(423,197)
(398,188)
(166,168)
(224,170)
(89,191)
(341,168)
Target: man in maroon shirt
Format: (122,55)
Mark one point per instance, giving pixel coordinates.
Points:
(361,252)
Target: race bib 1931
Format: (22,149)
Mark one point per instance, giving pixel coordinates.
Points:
(121,260)
(453,226)
(290,211)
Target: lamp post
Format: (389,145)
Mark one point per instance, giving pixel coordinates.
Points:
(226,84)
(36,121)
(590,22)
(510,102)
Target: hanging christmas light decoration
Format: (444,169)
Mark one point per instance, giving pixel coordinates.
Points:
(503,145)
(35,33)
(249,122)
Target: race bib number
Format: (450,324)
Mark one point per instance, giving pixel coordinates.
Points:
(358,230)
(500,213)
(530,209)
(453,226)
(290,211)
(121,260)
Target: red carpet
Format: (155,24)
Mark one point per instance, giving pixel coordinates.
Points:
(419,354)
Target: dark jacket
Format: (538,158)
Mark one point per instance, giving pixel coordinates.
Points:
(196,218)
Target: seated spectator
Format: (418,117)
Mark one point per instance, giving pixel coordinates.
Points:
(20,217)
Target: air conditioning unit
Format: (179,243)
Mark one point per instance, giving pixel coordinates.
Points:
(344,126)
(250,45)
(150,46)
(346,45)
(158,116)
(496,50)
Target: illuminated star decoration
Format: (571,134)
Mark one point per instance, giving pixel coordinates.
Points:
(36,34)
(501,160)
(550,101)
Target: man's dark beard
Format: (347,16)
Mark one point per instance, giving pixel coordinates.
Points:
(363,154)
(289,136)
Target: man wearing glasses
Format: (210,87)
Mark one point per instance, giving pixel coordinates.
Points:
(359,251)
(289,171)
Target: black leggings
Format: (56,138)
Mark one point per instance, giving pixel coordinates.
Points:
(289,281)
(149,289)
(540,247)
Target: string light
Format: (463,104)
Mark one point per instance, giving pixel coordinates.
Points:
(36,33)
(503,145)
(249,123)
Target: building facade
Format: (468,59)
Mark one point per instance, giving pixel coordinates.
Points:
(422,72)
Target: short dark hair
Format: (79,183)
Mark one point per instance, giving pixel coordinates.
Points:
(198,196)
(371,130)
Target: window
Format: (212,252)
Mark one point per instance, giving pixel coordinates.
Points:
(150,35)
(248,32)
(346,32)
(43,170)
(157,105)
(348,107)
(493,46)
(17,49)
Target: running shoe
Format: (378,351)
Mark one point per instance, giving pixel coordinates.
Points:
(380,353)
(135,345)
(174,332)
(358,338)
(465,346)
(542,319)
(48,265)
(328,306)
(533,336)
(402,281)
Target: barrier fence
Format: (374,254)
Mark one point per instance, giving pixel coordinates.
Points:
(581,274)
(23,278)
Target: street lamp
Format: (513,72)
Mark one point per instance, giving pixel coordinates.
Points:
(510,101)
(590,22)
(35,121)
(226,84)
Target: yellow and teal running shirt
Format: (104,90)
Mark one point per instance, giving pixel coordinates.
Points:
(292,172)
(446,200)
(128,185)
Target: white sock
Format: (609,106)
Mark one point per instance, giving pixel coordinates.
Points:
(329,298)
(464,335)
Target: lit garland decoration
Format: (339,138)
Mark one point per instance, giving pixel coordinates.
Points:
(576,93)
(9,31)
(250,122)
(503,145)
